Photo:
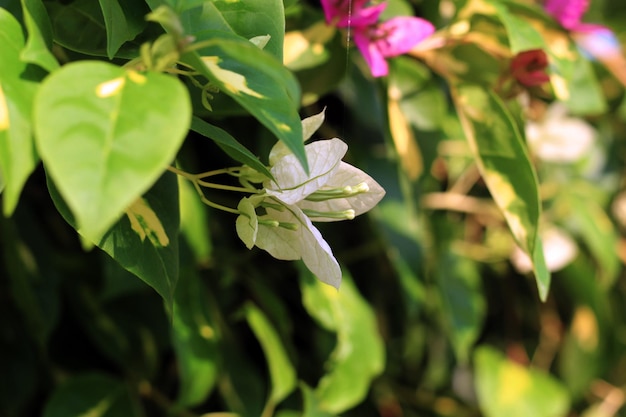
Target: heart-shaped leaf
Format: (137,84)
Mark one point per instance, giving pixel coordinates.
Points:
(105,135)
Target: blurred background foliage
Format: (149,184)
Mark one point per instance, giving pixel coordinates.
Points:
(438,313)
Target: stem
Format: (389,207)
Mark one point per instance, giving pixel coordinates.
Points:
(225,187)
(211,203)
(194,180)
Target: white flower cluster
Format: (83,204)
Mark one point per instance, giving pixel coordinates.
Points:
(279,219)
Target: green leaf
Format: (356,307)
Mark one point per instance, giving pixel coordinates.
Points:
(505,388)
(194,222)
(504,164)
(93,395)
(79,26)
(593,225)
(194,338)
(522,35)
(230,145)
(359,355)
(121,26)
(37,50)
(461,291)
(255,80)
(145,240)
(252,18)
(282,372)
(107,139)
(311,404)
(18,157)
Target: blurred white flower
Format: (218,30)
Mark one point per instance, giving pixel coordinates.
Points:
(559,250)
(559,137)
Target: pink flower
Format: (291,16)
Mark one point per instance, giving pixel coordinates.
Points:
(596,40)
(377,40)
(341,14)
(569,14)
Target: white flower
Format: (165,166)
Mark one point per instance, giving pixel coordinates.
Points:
(560,138)
(333,190)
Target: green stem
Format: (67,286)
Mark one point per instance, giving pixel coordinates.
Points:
(226,187)
(194,180)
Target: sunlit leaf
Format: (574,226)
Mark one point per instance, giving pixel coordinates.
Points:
(504,164)
(252,18)
(17,150)
(282,372)
(505,388)
(107,139)
(359,355)
(255,80)
(37,49)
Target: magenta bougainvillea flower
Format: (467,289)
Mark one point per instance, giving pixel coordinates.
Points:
(596,40)
(569,14)
(377,40)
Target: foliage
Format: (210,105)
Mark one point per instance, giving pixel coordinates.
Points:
(149,149)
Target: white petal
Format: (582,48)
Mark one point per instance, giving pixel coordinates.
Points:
(293,184)
(247,222)
(309,126)
(347,175)
(305,243)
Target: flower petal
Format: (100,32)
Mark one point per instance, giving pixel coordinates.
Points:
(247,223)
(341,10)
(373,57)
(309,126)
(399,35)
(567,12)
(347,175)
(305,243)
(362,17)
(293,184)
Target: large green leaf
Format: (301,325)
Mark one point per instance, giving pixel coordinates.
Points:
(255,80)
(37,50)
(505,388)
(145,240)
(252,18)
(282,372)
(504,164)
(107,139)
(17,150)
(121,24)
(93,395)
(359,355)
